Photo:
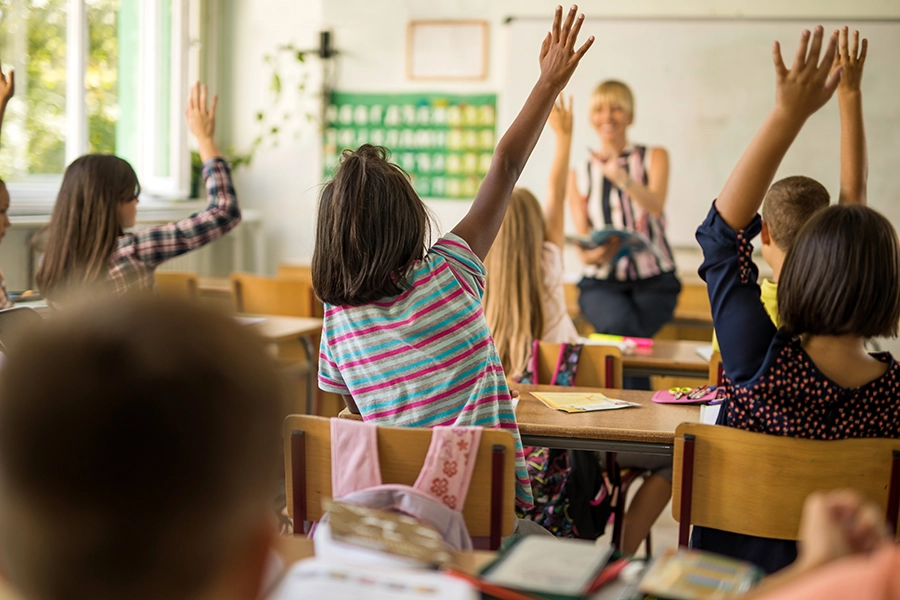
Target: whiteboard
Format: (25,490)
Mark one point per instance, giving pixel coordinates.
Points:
(702,88)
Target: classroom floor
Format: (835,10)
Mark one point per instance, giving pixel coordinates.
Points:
(663,535)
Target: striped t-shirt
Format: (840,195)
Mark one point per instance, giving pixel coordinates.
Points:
(424,357)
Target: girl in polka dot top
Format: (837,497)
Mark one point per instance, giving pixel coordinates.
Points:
(840,284)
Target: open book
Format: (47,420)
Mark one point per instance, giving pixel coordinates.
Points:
(630,242)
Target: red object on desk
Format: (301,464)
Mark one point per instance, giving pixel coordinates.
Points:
(608,574)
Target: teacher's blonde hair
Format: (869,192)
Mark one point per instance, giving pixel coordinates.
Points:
(514,283)
(614,93)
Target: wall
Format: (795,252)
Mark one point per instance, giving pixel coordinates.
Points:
(371,36)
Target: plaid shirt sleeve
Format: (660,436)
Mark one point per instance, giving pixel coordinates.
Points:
(155,245)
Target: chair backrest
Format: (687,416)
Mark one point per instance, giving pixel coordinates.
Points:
(295,271)
(598,366)
(756,484)
(401,450)
(272,295)
(15,323)
(177,285)
(715,369)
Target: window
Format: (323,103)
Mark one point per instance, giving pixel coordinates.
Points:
(103,76)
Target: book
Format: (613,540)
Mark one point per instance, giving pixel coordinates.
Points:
(552,567)
(629,242)
(697,575)
(316,578)
(579,402)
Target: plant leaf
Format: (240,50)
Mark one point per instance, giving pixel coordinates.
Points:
(276,83)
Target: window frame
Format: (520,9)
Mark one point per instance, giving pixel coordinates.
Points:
(167,180)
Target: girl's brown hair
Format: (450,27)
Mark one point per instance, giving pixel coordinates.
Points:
(371,228)
(513,288)
(85,225)
(841,275)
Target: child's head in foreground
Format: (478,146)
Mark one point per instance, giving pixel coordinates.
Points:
(513,292)
(841,276)
(789,204)
(372,226)
(139,444)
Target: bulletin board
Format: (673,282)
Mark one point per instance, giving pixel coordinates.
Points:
(444,141)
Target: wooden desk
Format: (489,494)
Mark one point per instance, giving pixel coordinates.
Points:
(667,358)
(648,429)
(276,329)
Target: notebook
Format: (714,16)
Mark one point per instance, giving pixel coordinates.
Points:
(579,402)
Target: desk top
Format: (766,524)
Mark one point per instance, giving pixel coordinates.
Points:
(668,354)
(280,329)
(649,423)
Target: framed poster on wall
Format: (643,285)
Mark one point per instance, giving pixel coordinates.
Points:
(447,50)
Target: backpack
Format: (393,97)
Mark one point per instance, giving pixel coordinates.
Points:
(572,495)
(437,496)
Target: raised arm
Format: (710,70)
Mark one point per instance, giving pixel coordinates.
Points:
(799,92)
(555,206)
(577,205)
(558,61)
(7,91)
(854,162)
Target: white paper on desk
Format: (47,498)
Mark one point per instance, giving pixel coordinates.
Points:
(709,413)
(316,578)
(705,352)
(249,320)
(624,347)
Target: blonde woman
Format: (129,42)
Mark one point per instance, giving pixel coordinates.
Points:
(524,298)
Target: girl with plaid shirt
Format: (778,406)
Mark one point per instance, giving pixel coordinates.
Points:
(88,246)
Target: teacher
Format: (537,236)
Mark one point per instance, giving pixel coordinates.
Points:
(623,186)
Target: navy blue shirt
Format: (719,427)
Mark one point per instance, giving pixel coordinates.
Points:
(776,388)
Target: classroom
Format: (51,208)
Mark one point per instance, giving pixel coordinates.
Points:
(414,299)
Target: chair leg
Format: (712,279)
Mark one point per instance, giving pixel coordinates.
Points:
(687,490)
(498,455)
(619,509)
(298,481)
(648,546)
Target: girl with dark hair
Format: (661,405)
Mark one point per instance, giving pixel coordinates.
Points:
(88,249)
(840,284)
(405,339)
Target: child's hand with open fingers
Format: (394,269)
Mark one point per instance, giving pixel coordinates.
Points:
(558,55)
(7,86)
(201,119)
(561,117)
(850,58)
(809,83)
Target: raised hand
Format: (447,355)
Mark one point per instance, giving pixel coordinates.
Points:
(202,120)
(7,86)
(558,55)
(561,117)
(809,83)
(850,58)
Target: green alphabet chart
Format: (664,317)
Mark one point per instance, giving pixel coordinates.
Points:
(444,141)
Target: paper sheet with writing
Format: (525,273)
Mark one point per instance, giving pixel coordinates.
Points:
(579,402)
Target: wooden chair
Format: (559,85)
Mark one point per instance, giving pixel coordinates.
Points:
(599,366)
(303,273)
(716,372)
(173,284)
(272,295)
(756,484)
(489,508)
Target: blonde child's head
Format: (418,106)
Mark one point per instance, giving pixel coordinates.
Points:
(788,205)
(841,275)
(513,288)
(97,200)
(139,444)
(371,228)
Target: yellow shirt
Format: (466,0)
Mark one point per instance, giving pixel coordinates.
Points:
(768,294)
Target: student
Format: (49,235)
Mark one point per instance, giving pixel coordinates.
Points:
(139,447)
(791,202)
(845,552)
(524,299)
(87,246)
(7,90)
(404,339)
(840,284)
